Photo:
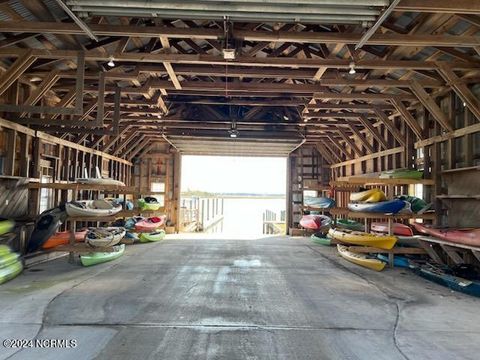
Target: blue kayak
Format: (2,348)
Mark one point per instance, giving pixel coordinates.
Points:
(319,202)
(384,207)
(398,261)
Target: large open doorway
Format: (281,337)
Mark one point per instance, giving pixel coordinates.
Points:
(233,196)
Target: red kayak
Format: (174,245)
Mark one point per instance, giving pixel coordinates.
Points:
(150,224)
(460,236)
(63,238)
(398,228)
(315,222)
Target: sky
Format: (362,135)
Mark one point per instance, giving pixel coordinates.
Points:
(232,174)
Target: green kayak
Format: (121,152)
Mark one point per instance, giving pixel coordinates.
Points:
(321,241)
(402,174)
(350,225)
(153,236)
(95,258)
(418,205)
(154,206)
(8,259)
(6,226)
(11,271)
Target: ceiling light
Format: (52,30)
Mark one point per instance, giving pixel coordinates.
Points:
(285,117)
(233,134)
(464,104)
(352,68)
(228,54)
(110,62)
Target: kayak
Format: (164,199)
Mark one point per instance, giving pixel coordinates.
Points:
(6,225)
(63,238)
(315,222)
(11,271)
(100,181)
(8,259)
(130,222)
(321,240)
(150,224)
(92,208)
(417,205)
(360,259)
(46,226)
(153,236)
(384,207)
(398,260)
(460,236)
(350,224)
(95,258)
(362,238)
(102,237)
(441,276)
(398,228)
(402,174)
(149,203)
(369,196)
(319,202)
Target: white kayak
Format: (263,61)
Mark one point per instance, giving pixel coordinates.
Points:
(100,181)
(92,208)
(103,237)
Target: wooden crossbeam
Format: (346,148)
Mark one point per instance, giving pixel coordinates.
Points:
(342,150)
(327,155)
(409,119)
(350,142)
(440,6)
(390,126)
(396,150)
(431,106)
(373,130)
(447,136)
(41,90)
(362,138)
(20,65)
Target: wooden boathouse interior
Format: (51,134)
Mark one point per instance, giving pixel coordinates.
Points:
(344,89)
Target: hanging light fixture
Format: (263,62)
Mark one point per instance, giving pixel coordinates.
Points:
(110,62)
(352,68)
(233,131)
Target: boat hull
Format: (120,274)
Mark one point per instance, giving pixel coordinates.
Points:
(398,228)
(319,202)
(45,227)
(100,181)
(369,196)
(88,208)
(6,226)
(460,236)
(103,237)
(360,238)
(315,222)
(96,258)
(398,261)
(350,225)
(402,174)
(384,207)
(360,259)
(63,238)
(151,237)
(321,241)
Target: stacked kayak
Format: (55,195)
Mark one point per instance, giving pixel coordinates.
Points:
(46,226)
(63,238)
(92,208)
(320,240)
(368,196)
(460,236)
(362,238)
(95,258)
(10,264)
(350,225)
(360,259)
(402,174)
(149,203)
(103,237)
(417,205)
(398,260)
(6,226)
(384,207)
(100,181)
(319,202)
(398,228)
(316,222)
(153,236)
(150,224)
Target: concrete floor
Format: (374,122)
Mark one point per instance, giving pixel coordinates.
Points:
(273,298)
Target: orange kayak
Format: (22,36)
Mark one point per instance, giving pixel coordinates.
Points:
(63,238)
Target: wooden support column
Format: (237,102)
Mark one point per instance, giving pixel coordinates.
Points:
(9,167)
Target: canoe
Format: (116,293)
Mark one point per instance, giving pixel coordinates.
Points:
(369,196)
(95,258)
(150,224)
(315,222)
(418,205)
(319,202)
(398,260)
(6,225)
(63,238)
(100,181)
(350,224)
(469,237)
(384,207)
(106,236)
(402,174)
(149,203)
(153,236)
(46,226)
(441,276)
(92,208)
(398,228)
(362,238)
(360,259)
(9,272)
(321,240)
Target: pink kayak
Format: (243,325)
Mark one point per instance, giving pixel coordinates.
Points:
(150,224)
(460,236)
(315,222)
(398,228)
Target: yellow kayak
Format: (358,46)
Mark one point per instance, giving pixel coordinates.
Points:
(360,259)
(371,195)
(361,238)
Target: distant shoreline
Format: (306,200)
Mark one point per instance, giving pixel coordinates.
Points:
(232,196)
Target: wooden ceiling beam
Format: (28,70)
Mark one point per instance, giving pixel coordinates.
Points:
(440,6)
(350,142)
(390,126)
(373,130)
(362,138)
(409,119)
(20,65)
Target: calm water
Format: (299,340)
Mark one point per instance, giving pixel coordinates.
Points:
(244,216)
